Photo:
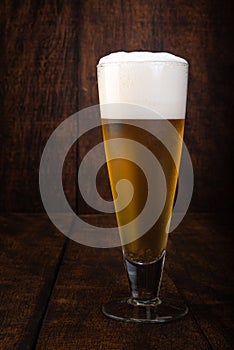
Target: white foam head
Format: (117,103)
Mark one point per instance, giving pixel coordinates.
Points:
(154,80)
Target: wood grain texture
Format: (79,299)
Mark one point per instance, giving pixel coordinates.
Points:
(202,274)
(39,89)
(202,32)
(49,52)
(51,293)
(90,277)
(20,170)
(31,250)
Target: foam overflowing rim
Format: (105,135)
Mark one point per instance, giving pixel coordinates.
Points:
(120,75)
(122,57)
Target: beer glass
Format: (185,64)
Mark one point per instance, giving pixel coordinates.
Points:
(143,100)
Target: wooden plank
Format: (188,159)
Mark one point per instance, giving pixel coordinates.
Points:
(90,277)
(49,52)
(198,270)
(202,31)
(31,251)
(200,262)
(39,85)
(20,155)
(40,56)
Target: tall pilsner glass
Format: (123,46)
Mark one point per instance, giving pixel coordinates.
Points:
(143,94)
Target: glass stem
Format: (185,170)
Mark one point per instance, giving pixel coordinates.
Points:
(144,280)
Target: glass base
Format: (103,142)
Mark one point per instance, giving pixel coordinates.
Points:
(158,311)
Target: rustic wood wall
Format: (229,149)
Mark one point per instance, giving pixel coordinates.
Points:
(49,51)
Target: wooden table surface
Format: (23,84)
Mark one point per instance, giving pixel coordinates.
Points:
(52,288)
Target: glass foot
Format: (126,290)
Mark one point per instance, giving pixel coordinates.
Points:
(158,312)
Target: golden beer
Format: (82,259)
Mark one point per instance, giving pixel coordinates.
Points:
(151,246)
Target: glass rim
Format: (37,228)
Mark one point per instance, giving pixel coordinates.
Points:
(145,61)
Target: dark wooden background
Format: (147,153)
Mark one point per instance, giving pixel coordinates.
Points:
(49,51)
